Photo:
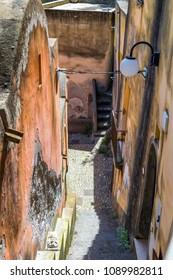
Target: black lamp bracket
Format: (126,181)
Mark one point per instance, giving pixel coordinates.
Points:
(155,55)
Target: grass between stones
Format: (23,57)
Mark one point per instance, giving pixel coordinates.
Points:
(124,238)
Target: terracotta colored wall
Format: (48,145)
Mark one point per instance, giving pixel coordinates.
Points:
(31,192)
(148,99)
(86,43)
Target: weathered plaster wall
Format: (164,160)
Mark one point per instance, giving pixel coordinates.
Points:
(164,88)
(137,22)
(148,99)
(31,191)
(86,43)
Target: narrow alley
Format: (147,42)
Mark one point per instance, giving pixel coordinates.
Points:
(89,176)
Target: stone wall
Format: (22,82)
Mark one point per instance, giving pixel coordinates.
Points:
(30,185)
(85,43)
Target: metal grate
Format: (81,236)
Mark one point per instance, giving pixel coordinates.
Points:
(140,3)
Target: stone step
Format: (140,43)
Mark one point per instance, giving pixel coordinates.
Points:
(106,93)
(59,239)
(104,100)
(45,255)
(68,213)
(100,132)
(62,228)
(104,108)
(71,203)
(103,116)
(101,124)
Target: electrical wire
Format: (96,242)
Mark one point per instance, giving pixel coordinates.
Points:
(85,72)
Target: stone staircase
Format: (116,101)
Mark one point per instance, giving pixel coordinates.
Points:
(59,238)
(104,108)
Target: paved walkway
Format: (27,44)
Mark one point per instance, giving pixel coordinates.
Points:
(89,176)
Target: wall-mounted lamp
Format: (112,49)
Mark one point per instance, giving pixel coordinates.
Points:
(129,66)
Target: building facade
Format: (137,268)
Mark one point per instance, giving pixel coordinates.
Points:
(32,160)
(86,44)
(142,119)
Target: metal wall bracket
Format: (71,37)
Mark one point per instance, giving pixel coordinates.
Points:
(13,135)
(140,3)
(10,134)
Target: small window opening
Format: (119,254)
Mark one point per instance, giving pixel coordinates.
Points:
(157,132)
(40,70)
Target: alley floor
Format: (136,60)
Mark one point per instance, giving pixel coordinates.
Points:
(89,176)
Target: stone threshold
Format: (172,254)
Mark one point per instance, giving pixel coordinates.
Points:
(141,246)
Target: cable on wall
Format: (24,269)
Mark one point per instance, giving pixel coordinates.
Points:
(85,72)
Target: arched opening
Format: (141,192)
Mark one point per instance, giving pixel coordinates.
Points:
(141,241)
(148,198)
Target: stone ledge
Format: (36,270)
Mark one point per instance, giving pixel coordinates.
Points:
(71,203)
(55,3)
(62,227)
(141,246)
(45,255)
(62,232)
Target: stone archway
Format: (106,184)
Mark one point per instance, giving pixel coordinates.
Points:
(149,191)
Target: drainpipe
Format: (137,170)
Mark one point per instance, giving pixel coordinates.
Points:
(118,62)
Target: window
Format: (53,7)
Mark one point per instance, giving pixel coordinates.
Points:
(40,70)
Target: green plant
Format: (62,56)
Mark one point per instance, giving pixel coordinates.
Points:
(113,216)
(124,237)
(88,130)
(103,149)
(106,140)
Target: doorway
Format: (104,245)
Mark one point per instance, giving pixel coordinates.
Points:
(148,200)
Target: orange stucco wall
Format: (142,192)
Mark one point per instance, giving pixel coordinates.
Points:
(147,100)
(31,193)
(86,43)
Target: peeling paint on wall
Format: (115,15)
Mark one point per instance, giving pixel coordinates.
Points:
(15,61)
(76,108)
(45,194)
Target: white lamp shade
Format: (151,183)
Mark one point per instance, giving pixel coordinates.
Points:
(129,66)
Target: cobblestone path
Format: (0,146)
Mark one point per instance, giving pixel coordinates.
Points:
(89,176)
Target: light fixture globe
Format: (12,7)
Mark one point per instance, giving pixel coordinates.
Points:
(129,66)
